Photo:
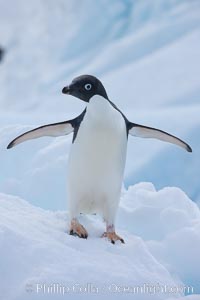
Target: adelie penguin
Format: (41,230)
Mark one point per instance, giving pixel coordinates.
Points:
(98,153)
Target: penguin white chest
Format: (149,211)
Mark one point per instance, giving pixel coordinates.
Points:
(97,159)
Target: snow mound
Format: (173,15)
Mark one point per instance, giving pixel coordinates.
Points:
(37,252)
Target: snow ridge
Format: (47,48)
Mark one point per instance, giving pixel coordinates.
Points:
(159,228)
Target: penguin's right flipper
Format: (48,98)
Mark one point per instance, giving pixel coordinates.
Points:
(57,129)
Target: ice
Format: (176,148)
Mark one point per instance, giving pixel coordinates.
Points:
(147,55)
(36,248)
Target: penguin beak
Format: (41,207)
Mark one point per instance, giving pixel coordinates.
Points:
(66,90)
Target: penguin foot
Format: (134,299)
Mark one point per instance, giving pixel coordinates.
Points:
(78,230)
(113,237)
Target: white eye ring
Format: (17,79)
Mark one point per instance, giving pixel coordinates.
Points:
(88,86)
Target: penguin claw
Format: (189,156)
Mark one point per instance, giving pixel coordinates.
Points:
(113,237)
(84,236)
(78,230)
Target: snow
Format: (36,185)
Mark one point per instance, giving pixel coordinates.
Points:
(147,55)
(35,244)
(191,297)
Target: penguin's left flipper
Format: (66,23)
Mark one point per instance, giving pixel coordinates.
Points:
(149,132)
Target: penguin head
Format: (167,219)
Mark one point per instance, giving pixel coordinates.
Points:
(85,87)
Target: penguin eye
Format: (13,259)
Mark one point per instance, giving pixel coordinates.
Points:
(88,86)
